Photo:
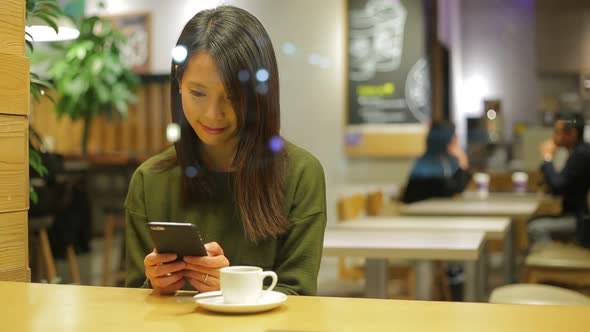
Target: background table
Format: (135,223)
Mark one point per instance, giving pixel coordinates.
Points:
(491,207)
(495,228)
(421,246)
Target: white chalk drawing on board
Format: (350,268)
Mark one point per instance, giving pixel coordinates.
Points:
(135,52)
(376,38)
(418,90)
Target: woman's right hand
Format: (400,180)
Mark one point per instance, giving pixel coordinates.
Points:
(165,275)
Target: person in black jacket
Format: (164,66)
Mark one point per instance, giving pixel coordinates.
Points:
(443,169)
(571,183)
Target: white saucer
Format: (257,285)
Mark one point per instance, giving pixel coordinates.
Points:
(268,301)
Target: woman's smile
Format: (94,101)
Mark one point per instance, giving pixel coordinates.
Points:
(212,130)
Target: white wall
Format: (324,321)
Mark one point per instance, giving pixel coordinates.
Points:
(493,56)
(312,97)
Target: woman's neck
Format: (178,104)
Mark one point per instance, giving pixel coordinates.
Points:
(219,158)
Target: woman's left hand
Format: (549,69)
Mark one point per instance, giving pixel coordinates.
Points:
(203,272)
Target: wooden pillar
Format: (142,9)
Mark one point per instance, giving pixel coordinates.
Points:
(14,148)
(435,54)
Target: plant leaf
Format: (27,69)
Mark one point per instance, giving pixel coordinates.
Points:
(52,5)
(49,20)
(33,195)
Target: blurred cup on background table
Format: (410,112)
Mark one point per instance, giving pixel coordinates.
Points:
(482,183)
(520,181)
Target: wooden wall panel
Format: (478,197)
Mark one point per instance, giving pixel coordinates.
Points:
(126,131)
(14,83)
(156,127)
(166,107)
(141,133)
(14,170)
(110,133)
(13,241)
(95,136)
(12,19)
(21,275)
(65,134)
(141,121)
(14,136)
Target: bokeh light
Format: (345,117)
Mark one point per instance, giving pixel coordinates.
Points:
(173,133)
(314,59)
(191,171)
(262,75)
(243,75)
(276,144)
(491,114)
(353,138)
(262,88)
(179,53)
(289,48)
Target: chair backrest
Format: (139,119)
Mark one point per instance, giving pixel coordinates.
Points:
(537,294)
(351,207)
(374,203)
(559,255)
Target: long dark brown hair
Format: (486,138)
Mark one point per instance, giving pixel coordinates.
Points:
(240,46)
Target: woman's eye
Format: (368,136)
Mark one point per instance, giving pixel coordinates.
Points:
(198,93)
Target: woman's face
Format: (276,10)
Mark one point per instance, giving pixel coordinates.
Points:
(205,103)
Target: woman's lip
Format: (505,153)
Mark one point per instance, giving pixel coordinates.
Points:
(212,130)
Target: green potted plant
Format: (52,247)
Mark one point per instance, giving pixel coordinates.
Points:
(90,78)
(47,11)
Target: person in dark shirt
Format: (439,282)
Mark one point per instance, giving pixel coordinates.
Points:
(571,183)
(443,169)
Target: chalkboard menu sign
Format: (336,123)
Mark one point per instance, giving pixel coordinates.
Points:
(388,71)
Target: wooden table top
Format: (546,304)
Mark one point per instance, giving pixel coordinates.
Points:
(63,308)
(408,244)
(490,207)
(510,196)
(493,227)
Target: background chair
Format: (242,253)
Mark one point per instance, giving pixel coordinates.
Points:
(565,264)
(537,294)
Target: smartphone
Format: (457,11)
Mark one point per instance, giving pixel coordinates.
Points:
(182,239)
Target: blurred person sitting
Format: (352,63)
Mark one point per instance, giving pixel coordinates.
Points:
(443,169)
(571,183)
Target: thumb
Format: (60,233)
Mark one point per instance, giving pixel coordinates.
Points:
(213,249)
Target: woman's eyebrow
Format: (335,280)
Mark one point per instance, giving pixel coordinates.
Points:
(197,84)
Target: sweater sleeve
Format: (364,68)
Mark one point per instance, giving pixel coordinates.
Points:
(138,241)
(299,253)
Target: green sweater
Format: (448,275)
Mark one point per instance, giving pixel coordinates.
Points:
(295,256)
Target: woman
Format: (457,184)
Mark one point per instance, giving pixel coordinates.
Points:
(443,169)
(257,199)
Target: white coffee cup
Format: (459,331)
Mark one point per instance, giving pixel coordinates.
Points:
(482,183)
(520,180)
(243,284)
